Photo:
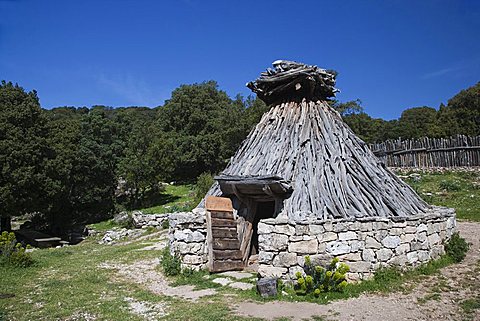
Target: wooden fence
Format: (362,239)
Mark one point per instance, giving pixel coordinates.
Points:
(455,151)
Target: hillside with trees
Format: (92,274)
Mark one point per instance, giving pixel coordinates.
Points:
(73,165)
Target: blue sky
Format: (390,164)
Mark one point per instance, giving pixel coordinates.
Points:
(390,54)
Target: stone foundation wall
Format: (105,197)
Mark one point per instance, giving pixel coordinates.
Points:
(364,244)
(188,237)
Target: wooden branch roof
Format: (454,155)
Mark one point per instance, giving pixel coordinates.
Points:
(305,148)
(291,79)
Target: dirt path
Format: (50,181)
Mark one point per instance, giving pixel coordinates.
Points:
(437,298)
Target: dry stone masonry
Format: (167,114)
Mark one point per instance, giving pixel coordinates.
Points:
(188,238)
(364,244)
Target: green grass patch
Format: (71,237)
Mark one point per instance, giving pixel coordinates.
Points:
(460,190)
(175,198)
(470,306)
(104,225)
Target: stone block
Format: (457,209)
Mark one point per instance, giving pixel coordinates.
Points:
(415,246)
(293,271)
(316,229)
(328,236)
(434,239)
(421,236)
(264,228)
(338,248)
(407,238)
(340,227)
(285,259)
(368,255)
(422,228)
(437,251)
(412,257)
(267,287)
(401,225)
(351,257)
(265,257)
(193,259)
(273,242)
(402,249)
(268,271)
(384,254)
(398,260)
(361,266)
(380,235)
(396,231)
(345,236)
(320,259)
(186,248)
(423,256)
(410,230)
(302,230)
(356,245)
(304,247)
(366,226)
(296,238)
(284,229)
(328,226)
(380,225)
(371,243)
(391,242)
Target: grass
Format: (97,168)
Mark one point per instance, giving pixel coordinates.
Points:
(175,198)
(460,190)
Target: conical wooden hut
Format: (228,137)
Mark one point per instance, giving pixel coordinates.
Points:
(302,183)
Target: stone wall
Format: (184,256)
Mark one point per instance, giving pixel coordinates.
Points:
(141,220)
(188,237)
(364,244)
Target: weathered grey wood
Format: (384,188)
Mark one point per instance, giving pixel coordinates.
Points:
(224,233)
(227,254)
(228,265)
(225,244)
(220,222)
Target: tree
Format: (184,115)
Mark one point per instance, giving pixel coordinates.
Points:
(23,153)
(419,122)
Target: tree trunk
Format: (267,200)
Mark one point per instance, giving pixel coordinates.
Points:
(5,224)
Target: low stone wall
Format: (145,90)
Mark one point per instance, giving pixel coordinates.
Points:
(364,244)
(141,220)
(188,237)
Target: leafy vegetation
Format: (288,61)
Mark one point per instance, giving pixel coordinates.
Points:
(459,190)
(12,252)
(171,264)
(318,279)
(456,247)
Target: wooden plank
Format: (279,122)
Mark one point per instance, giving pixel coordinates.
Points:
(227,254)
(219,222)
(224,233)
(215,203)
(225,244)
(229,265)
(209,242)
(225,215)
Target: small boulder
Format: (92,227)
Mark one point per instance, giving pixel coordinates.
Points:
(267,287)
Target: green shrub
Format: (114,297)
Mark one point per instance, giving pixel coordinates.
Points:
(165,224)
(456,247)
(450,186)
(171,264)
(318,279)
(12,252)
(204,182)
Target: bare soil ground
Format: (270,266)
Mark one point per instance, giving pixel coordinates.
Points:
(438,297)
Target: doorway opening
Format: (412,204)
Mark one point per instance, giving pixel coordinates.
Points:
(263,210)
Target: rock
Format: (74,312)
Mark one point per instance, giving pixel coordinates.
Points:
(272,242)
(351,257)
(241,286)
(237,275)
(421,236)
(391,242)
(264,228)
(402,249)
(357,245)
(192,259)
(368,255)
(186,248)
(412,257)
(340,227)
(293,271)
(347,236)
(302,230)
(271,271)
(359,266)
(328,236)
(384,254)
(285,259)
(337,248)
(123,219)
(284,229)
(265,257)
(407,238)
(222,281)
(399,260)
(267,287)
(304,247)
(423,256)
(371,243)
(422,228)
(434,239)
(316,229)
